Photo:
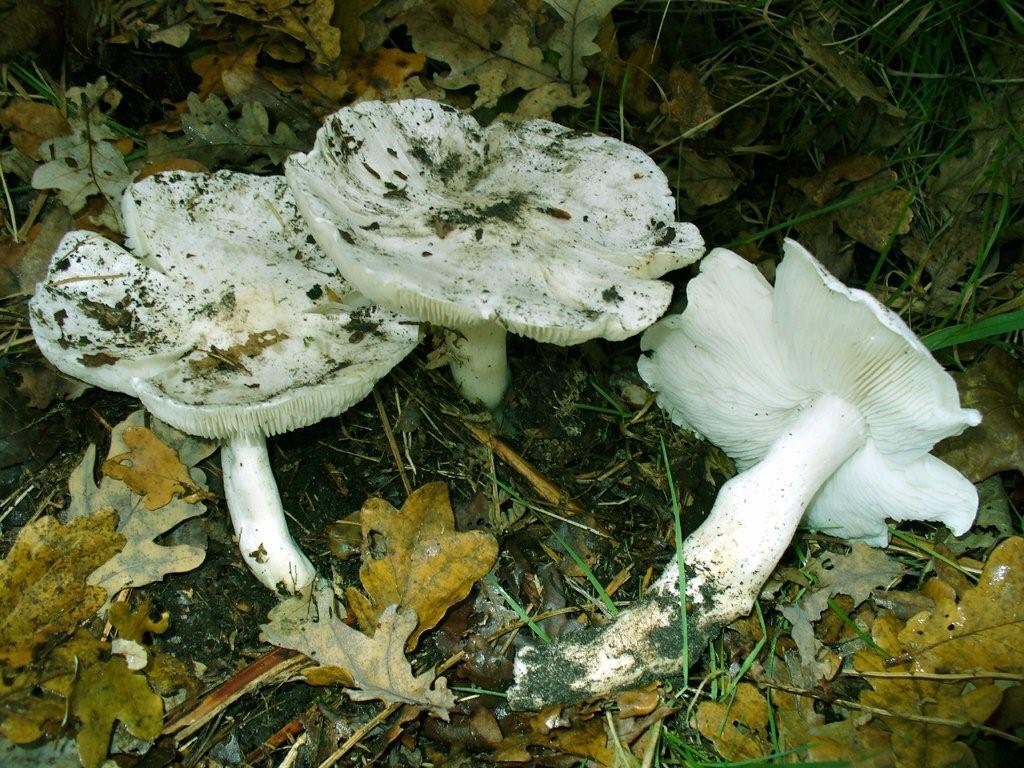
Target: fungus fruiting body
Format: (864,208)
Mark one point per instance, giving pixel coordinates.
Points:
(829,405)
(528,228)
(227,321)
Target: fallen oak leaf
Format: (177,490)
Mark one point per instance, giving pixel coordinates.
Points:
(377,666)
(105,693)
(924,717)
(415,559)
(43,589)
(142,560)
(151,469)
(995,386)
(738,727)
(983,629)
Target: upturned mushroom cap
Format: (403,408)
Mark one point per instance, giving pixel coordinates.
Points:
(224,317)
(555,234)
(743,360)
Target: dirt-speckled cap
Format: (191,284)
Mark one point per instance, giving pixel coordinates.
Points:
(223,315)
(556,234)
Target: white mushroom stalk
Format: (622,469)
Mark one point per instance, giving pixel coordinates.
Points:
(828,404)
(227,321)
(529,228)
(257,515)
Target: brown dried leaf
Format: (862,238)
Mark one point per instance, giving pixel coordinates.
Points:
(842,69)
(823,187)
(43,590)
(31,123)
(134,624)
(706,181)
(414,558)
(995,386)
(984,629)
(855,574)
(550,730)
(738,728)
(105,693)
(877,219)
(308,21)
(142,561)
(151,469)
(377,665)
(689,101)
(914,705)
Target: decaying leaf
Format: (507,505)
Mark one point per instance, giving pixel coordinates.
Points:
(575,40)
(211,135)
(415,559)
(876,219)
(842,69)
(689,102)
(738,727)
(151,469)
(706,181)
(916,708)
(107,692)
(141,561)
(995,386)
(43,590)
(551,729)
(31,123)
(855,574)
(33,699)
(493,50)
(981,629)
(308,21)
(85,162)
(377,666)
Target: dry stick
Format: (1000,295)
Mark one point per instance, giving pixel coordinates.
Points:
(961,677)
(391,442)
(544,487)
(278,663)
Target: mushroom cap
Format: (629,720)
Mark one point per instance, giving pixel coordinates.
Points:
(556,234)
(743,360)
(224,317)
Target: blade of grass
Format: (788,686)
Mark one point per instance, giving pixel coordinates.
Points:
(519,611)
(986,328)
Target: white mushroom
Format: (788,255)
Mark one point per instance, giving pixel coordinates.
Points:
(524,227)
(227,321)
(829,405)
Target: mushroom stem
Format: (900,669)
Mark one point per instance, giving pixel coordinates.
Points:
(727,560)
(478,362)
(258,516)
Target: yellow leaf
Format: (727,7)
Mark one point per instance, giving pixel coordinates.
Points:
(739,729)
(43,588)
(414,558)
(107,692)
(149,468)
(985,629)
(134,624)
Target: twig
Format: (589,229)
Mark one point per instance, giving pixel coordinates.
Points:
(949,677)
(544,487)
(392,443)
(898,715)
(276,664)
